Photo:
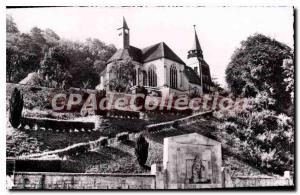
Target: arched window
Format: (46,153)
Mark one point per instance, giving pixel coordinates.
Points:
(144,78)
(152,77)
(134,77)
(173,77)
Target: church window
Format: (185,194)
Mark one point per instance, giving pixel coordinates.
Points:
(152,77)
(173,77)
(144,78)
(134,77)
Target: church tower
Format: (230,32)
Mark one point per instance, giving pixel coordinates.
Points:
(198,64)
(123,33)
(195,55)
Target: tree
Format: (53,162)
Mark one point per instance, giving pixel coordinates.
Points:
(11,26)
(262,70)
(141,150)
(289,81)
(55,67)
(23,51)
(257,66)
(11,61)
(59,60)
(121,75)
(15,108)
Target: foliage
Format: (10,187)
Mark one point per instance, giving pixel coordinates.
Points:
(15,108)
(288,67)
(121,75)
(56,58)
(54,67)
(11,26)
(262,134)
(141,150)
(25,51)
(78,63)
(257,66)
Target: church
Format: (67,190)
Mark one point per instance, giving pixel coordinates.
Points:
(160,70)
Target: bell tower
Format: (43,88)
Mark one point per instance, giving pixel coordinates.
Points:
(123,34)
(197,63)
(195,56)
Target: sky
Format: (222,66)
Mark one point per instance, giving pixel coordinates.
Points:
(220,29)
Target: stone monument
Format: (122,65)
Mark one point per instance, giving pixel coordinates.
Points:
(192,161)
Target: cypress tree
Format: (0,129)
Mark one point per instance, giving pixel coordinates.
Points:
(15,108)
(141,150)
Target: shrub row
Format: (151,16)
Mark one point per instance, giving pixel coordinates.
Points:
(123,113)
(56,124)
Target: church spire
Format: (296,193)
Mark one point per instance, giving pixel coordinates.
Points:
(124,41)
(125,23)
(196,50)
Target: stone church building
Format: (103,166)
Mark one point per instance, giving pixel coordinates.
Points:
(160,70)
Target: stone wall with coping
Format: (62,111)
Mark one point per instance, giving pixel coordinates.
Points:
(260,181)
(44,180)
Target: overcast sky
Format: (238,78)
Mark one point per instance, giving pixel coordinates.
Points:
(220,30)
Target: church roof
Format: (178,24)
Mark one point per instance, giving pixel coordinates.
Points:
(160,50)
(132,52)
(153,52)
(191,75)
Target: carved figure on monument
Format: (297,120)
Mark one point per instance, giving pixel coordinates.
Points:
(197,169)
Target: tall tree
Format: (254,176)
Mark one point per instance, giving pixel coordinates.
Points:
(11,26)
(55,67)
(257,66)
(141,150)
(16,103)
(26,53)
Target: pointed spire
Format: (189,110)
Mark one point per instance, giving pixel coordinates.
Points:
(125,23)
(196,44)
(196,50)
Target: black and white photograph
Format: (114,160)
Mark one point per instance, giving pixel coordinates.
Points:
(150,98)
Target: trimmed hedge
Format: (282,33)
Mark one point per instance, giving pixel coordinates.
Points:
(56,124)
(123,113)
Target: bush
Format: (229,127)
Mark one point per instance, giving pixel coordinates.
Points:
(16,103)
(141,150)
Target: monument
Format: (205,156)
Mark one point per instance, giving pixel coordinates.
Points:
(192,161)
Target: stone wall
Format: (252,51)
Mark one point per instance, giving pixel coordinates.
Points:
(27,180)
(260,181)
